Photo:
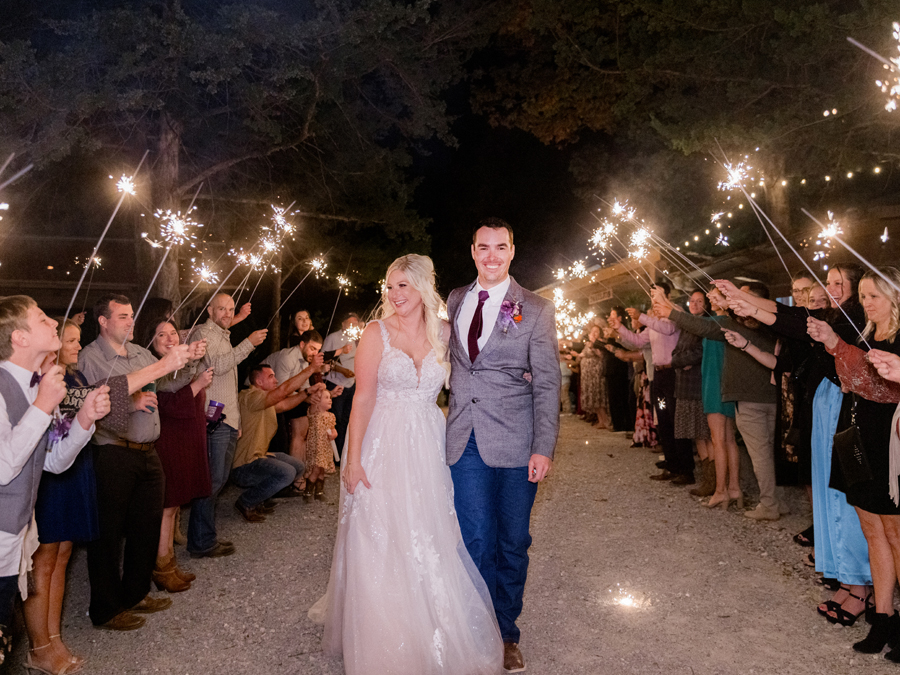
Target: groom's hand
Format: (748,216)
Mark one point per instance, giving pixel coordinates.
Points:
(538,468)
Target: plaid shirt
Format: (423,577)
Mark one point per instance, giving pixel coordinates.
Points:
(224,360)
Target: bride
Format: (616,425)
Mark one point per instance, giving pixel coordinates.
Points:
(404,596)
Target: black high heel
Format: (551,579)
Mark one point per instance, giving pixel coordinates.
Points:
(831,605)
(805,538)
(845,618)
(885,631)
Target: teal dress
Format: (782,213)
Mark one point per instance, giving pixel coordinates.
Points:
(711,371)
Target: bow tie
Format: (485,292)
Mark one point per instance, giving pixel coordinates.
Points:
(36,379)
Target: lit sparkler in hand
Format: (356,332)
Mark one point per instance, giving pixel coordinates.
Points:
(600,239)
(832,228)
(175,228)
(344,283)
(318,266)
(578,270)
(737,175)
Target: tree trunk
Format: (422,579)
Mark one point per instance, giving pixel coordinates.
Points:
(778,205)
(164,181)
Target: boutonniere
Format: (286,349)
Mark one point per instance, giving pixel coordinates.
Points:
(59,428)
(510,314)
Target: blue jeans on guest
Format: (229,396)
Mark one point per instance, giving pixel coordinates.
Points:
(494,510)
(265,477)
(220,447)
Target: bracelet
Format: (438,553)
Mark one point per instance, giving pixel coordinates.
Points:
(746,344)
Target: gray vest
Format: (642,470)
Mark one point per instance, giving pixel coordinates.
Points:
(18,497)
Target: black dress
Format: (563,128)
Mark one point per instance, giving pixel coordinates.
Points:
(874,423)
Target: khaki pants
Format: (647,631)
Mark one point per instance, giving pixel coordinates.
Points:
(756,422)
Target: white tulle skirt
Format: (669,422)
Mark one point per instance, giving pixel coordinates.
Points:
(404,596)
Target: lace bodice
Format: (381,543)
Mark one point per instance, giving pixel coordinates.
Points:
(398,379)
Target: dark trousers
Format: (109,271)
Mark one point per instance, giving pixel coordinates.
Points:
(494,511)
(9,588)
(130,491)
(679,453)
(341,407)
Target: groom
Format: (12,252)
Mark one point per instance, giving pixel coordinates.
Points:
(502,427)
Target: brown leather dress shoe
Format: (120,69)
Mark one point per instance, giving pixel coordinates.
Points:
(150,605)
(512,658)
(124,621)
(250,515)
(665,475)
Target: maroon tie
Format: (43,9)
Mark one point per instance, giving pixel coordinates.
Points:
(475,326)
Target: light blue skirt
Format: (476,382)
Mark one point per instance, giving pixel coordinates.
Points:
(841,549)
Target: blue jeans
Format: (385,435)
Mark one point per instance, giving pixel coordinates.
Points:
(265,477)
(494,511)
(220,447)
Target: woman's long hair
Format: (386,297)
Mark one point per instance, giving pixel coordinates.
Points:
(62,324)
(148,333)
(419,270)
(891,294)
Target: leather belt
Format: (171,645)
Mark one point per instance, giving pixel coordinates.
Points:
(665,367)
(122,443)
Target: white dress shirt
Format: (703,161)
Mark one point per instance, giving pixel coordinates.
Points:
(489,312)
(16,445)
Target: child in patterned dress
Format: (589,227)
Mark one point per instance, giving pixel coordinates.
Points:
(319,446)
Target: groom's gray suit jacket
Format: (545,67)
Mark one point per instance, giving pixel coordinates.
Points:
(512,417)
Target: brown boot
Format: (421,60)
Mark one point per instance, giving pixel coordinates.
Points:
(184,576)
(309,491)
(166,578)
(320,490)
(707,485)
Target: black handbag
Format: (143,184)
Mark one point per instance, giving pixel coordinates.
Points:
(847,449)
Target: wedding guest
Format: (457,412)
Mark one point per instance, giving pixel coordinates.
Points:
(617,385)
(65,511)
(342,374)
(874,496)
(690,420)
(747,383)
(594,396)
(221,443)
(565,403)
(181,447)
(662,337)
(128,472)
(293,423)
(34,437)
(840,547)
(261,473)
(300,322)
(322,433)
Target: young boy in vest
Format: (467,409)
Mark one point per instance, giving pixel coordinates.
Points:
(33,437)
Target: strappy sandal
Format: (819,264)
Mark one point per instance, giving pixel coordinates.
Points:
(845,618)
(805,538)
(831,605)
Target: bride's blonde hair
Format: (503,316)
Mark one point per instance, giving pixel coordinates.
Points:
(419,270)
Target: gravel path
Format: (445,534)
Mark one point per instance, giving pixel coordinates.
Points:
(627,576)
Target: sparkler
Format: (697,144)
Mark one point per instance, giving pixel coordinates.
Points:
(837,238)
(317,266)
(343,288)
(569,323)
(353,333)
(97,245)
(94,263)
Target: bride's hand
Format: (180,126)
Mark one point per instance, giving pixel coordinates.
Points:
(352,475)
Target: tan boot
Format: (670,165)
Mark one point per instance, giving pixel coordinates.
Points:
(166,578)
(184,576)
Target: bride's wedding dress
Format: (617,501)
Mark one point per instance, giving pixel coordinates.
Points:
(404,595)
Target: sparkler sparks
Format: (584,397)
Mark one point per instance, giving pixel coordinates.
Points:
(832,228)
(344,283)
(126,184)
(569,322)
(891,86)
(600,239)
(622,211)
(639,240)
(93,260)
(737,174)
(722,240)
(176,228)
(578,270)
(353,333)
(884,237)
(282,225)
(560,274)
(318,266)
(205,274)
